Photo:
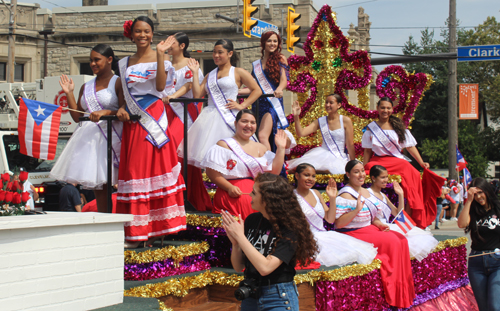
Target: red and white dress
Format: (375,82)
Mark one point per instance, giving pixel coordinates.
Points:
(150,185)
(197,193)
(238,173)
(387,151)
(392,248)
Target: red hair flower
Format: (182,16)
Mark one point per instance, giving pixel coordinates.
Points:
(188,75)
(231,164)
(127,29)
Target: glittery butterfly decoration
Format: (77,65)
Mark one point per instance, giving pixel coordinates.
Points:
(328,67)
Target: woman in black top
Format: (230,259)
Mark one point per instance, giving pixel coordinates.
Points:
(481,217)
(269,244)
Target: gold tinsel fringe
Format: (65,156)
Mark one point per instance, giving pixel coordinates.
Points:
(171,252)
(180,287)
(204,221)
(324,178)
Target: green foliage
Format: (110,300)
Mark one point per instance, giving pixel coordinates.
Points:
(431,118)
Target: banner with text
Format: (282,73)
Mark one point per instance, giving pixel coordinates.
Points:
(468,101)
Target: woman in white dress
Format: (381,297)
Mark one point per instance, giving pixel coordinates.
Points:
(83,160)
(335,249)
(337,131)
(233,163)
(216,121)
(420,242)
(183,82)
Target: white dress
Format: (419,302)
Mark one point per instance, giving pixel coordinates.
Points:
(369,141)
(183,76)
(209,127)
(321,157)
(420,242)
(335,249)
(84,159)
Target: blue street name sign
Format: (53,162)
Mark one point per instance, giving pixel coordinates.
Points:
(478,53)
(258,29)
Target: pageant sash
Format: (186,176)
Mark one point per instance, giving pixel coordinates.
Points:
(311,214)
(384,207)
(250,162)
(93,104)
(383,138)
(178,109)
(266,87)
(371,206)
(328,139)
(220,100)
(156,129)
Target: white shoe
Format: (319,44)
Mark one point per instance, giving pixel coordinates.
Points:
(428,228)
(454,218)
(444,220)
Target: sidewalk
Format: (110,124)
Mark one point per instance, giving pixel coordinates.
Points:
(450,228)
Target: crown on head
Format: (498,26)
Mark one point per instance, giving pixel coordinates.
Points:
(273,29)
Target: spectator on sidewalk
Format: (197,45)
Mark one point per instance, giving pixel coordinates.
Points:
(69,199)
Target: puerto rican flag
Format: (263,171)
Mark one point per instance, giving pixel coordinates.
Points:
(38,128)
(461,163)
(404,222)
(467,177)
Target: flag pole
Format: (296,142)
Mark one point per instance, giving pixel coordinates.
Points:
(397,215)
(75,110)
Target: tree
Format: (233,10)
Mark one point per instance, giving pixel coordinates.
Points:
(431,118)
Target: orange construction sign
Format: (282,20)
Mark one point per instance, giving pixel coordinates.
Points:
(468,101)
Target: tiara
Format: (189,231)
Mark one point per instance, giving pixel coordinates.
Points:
(273,29)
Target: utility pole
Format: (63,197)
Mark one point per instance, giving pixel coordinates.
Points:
(12,41)
(452,93)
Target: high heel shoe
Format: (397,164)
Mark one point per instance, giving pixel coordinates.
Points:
(151,241)
(134,244)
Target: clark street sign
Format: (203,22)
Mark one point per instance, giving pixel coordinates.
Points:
(478,53)
(258,29)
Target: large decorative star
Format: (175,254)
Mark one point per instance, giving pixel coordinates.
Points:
(328,68)
(40,111)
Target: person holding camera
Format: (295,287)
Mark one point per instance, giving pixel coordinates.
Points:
(269,244)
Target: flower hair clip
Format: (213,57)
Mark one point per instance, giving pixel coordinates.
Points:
(127,29)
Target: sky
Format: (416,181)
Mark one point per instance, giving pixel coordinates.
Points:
(393,21)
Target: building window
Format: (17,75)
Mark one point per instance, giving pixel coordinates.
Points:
(18,72)
(85,69)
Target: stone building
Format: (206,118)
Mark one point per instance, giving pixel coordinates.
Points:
(73,31)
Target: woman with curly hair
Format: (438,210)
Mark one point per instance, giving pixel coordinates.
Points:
(270,72)
(270,243)
(480,217)
(384,141)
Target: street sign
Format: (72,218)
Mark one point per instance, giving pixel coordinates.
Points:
(258,29)
(478,53)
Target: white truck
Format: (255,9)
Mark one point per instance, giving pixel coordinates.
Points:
(46,90)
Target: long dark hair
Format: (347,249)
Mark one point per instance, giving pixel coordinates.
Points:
(376,170)
(477,211)
(396,123)
(229,47)
(106,51)
(143,19)
(284,212)
(348,168)
(273,68)
(183,38)
(299,169)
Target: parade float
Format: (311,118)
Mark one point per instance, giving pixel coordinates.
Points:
(194,270)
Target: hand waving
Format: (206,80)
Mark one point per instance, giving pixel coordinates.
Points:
(164,45)
(296,108)
(193,65)
(331,189)
(67,84)
(398,189)
(280,139)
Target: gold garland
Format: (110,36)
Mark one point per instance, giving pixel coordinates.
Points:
(180,287)
(204,221)
(171,252)
(339,178)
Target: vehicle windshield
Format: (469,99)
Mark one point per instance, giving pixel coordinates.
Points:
(32,165)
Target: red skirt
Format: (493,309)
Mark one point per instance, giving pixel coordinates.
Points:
(150,185)
(235,206)
(395,270)
(197,192)
(410,182)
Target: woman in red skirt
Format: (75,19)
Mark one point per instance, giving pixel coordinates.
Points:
(384,141)
(358,215)
(149,181)
(234,162)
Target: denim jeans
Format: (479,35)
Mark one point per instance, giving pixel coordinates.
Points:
(281,296)
(484,276)
(439,209)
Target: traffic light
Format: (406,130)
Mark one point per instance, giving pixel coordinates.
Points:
(291,28)
(248,11)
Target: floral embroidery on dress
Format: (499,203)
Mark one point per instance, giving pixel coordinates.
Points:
(188,75)
(231,164)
